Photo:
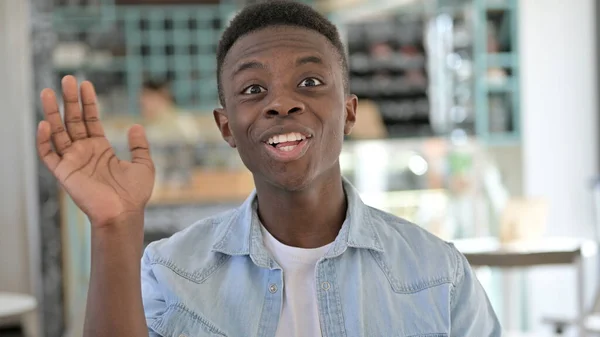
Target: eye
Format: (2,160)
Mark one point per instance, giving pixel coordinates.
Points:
(253,90)
(310,82)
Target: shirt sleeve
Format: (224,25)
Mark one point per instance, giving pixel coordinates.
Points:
(152,298)
(471,314)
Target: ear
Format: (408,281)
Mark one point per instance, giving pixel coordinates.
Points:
(223,124)
(351,104)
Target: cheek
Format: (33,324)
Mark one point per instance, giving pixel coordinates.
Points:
(238,126)
(337,132)
(338,124)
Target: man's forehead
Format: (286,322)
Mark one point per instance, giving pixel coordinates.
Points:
(269,41)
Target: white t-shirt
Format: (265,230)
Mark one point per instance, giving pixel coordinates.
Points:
(299,315)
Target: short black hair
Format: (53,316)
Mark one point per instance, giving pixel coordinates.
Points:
(278,13)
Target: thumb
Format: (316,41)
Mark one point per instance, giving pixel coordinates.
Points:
(138,146)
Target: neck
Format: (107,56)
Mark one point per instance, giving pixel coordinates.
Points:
(308,218)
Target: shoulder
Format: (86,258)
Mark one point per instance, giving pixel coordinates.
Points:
(411,250)
(394,230)
(192,247)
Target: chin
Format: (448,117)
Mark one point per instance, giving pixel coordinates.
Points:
(292,182)
(296,176)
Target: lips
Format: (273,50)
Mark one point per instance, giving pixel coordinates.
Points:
(286,138)
(288,151)
(277,133)
(287,144)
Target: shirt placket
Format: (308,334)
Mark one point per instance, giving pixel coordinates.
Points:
(329,300)
(271,309)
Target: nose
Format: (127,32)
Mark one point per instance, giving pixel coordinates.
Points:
(283,105)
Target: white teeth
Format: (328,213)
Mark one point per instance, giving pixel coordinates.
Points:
(287,148)
(288,137)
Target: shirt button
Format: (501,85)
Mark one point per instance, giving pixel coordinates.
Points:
(325,285)
(273,288)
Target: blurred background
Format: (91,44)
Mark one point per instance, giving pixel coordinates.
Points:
(478,120)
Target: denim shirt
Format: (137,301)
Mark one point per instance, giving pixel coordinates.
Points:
(382,277)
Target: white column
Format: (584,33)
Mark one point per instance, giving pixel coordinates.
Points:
(560,131)
(19,258)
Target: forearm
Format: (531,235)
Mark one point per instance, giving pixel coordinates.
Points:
(114,304)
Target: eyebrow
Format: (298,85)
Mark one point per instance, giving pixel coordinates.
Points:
(257,65)
(248,65)
(309,59)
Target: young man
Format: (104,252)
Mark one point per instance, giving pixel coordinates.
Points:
(303,256)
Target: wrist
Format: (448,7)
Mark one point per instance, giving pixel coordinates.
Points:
(127,228)
(126,219)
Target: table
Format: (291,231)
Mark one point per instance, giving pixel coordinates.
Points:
(21,306)
(546,251)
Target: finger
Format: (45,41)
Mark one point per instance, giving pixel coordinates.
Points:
(60,138)
(90,110)
(139,147)
(44,148)
(73,115)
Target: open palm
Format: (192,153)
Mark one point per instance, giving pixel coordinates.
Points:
(77,152)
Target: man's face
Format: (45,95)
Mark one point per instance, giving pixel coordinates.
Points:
(286,110)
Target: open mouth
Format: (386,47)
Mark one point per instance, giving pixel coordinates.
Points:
(287,142)
(288,147)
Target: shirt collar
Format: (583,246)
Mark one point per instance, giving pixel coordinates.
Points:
(242,235)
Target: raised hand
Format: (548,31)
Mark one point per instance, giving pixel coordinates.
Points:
(77,152)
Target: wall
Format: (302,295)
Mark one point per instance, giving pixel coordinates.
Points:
(15,136)
(560,127)
(20,244)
